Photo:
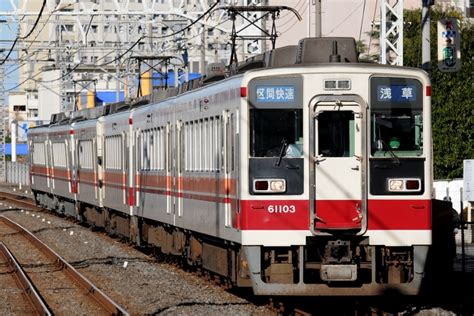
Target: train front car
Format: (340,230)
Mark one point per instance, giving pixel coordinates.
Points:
(336,178)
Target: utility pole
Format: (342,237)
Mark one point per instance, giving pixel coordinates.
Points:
(425,36)
(3,122)
(203,51)
(391,32)
(117,72)
(317,18)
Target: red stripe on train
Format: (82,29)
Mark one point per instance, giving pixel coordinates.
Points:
(399,214)
(274,215)
(294,214)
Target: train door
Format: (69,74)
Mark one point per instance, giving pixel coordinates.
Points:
(229,163)
(337,148)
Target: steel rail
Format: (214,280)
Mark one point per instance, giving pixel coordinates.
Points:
(100,297)
(20,200)
(33,297)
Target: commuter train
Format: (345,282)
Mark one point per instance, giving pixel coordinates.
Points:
(298,172)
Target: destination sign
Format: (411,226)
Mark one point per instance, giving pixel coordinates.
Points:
(396,93)
(275,93)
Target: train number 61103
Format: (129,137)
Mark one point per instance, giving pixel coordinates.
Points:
(281,209)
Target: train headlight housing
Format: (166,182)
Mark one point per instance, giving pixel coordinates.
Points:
(269,185)
(278,185)
(404,185)
(395,185)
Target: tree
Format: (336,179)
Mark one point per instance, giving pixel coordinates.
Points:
(452,93)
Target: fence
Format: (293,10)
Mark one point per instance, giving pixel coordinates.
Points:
(17,173)
(464,260)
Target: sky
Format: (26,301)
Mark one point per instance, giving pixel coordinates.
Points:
(8,32)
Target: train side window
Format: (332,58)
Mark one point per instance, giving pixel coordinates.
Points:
(39,157)
(205,141)
(59,157)
(198,146)
(162,150)
(336,134)
(113,145)
(85,154)
(212,141)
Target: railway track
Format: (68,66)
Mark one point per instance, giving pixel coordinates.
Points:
(17,290)
(62,288)
(20,200)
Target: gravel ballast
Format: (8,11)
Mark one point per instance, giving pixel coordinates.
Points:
(136,281)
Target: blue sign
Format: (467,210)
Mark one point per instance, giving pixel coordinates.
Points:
(275,93)
(396,93)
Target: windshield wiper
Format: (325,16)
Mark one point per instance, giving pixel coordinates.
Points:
(283,147)
(389,150)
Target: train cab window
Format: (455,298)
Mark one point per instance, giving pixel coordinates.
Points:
(398,132)
(271,129)
(336,134)
(396,118)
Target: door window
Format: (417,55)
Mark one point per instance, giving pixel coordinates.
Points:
(336,134)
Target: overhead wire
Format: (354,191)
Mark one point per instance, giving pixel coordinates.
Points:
(131,47)
(294,23)
(163,36)
(292,16)
(23,59)
(344,19)
(27,35)
(69,71)
(362,20)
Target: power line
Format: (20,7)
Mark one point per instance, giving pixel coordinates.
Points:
(362,21)
(161,37)
(71,70)
(27,35)
(344,19)
(294,23)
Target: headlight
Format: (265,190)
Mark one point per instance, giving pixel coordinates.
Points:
(269,185)
(395,185)
(277,185)
(404,185)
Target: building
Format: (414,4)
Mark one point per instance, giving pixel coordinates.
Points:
(77,46)
(76,41)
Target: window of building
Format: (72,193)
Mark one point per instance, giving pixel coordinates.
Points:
(33,113)
(19,108)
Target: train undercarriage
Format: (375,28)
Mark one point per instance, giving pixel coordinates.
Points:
(325,264)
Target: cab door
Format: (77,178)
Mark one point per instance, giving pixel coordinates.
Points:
(338,164)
